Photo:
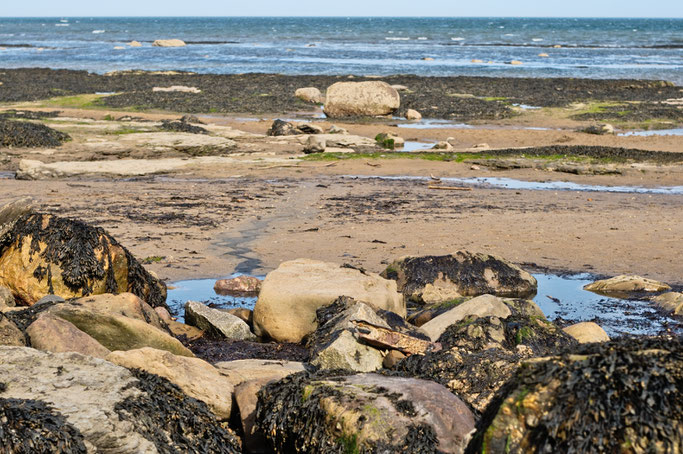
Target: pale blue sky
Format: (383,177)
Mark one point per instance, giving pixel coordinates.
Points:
(532,8)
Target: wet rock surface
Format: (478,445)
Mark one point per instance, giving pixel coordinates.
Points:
(23,134)
(43,254)
(612,397)
(361,413)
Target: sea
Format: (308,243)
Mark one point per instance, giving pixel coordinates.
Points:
(585,48)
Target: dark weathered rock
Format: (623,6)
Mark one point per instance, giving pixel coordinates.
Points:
(620,396)
(363,413)
(182,126)
(283,128)
(43,254)
(437,279)
(480,354)
(9,333)
(18,134)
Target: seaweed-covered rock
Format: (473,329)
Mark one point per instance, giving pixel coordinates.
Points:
(480,354)
(481,306)
(283,128)
(43,254)
(114,409)
(362,414)
(290,295)
(18,134)
(620,396)
(436,279)
(182,126)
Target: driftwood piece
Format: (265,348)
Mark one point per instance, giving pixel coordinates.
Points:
(380,337)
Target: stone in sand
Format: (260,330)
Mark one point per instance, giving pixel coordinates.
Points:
(351,99)
(315,144)
(286,308)
(443,146)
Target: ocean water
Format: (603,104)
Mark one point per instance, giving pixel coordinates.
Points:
(594,48)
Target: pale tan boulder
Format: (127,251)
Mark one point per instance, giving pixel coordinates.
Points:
(217,323)
(310,94)
(55,335)
(670,302)
(194,376)
(169,43)
(350,99)
(413,115)
(627,284)
(135,44)
(587,332)
(481,306)
(237,285)
(245,370)
(286,308)
(125,304)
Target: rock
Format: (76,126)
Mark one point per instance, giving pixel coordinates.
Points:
(55,335)
(169,43)
(243,313)
(118,332)
(217,323)
(389,140)
(587,332)
(515,62)
(6,298)
(481,306)
(286,308)
(163,314)
(557,46)
(392,358)
(102,406)
(413,115)
(191,119)
(362,413)
(125,304)
(315,144)
(599,129)
(400,87)
(627,284)
(475,167)
(177,88)
(476,60)
(282,128)
(44,254)
(309,128)
(566,404)
(181,329)
(119,47)
(670,302)
(481,146)
(427,59)
(443,146)
(239,285)
(334,129)
(246,370)
(344,352)
(544,55)
(9,333)
(436,279)
(10,214)
(25,134)
(135,44)
(310,94)
(195,377)
(480,354)
(351,99)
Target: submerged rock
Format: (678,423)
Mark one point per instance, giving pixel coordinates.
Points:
(113,409)
(286,308)
(627,284)
(362,413)
(436,279)
(621,396)
(352,99)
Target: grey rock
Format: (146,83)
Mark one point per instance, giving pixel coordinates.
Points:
(315,144)
(217,323)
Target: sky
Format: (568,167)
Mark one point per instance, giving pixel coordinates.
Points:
(441,8)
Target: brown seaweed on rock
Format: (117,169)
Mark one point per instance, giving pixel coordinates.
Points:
(19,134)
(619,396)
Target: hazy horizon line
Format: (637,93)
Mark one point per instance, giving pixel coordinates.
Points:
(342,17)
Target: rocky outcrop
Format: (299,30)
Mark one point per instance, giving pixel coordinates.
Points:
(352,99)
(437,279)
(286,308)
(362,413)
(239,285)
(587,332)
(627,284)
(195,377)
(569,403)
(169,43)
(671,302)
(480,354)
(217,323)
(90,403)
(310,94)
(43,254)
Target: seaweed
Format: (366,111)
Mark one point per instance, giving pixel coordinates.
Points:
(32,427)
(182,126)
(174,422)
(17,134)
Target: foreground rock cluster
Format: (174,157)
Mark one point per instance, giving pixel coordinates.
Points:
(438,354)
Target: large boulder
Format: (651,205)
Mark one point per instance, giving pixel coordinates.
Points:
(286,308)
(67,402)
(627,284)
(353,99)
(217,323)
(481,353)
(362,413)
(436,279)
(43,254)
(53,334)
(481,306)
(310,94)
(195,377)
(621,396)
